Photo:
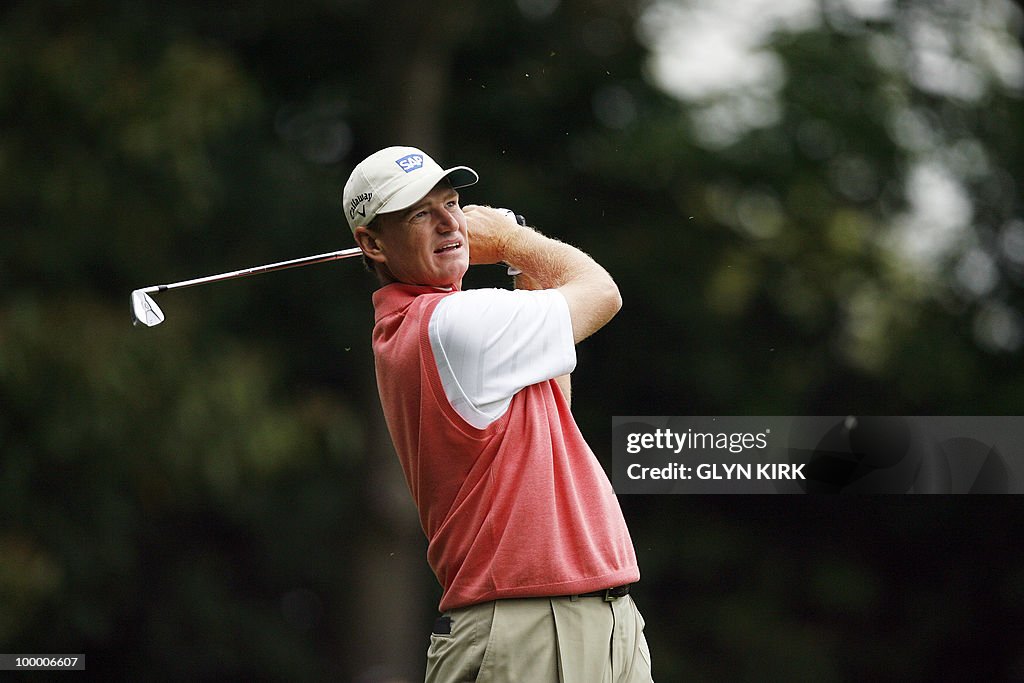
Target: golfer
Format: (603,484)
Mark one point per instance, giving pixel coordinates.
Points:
(525,534)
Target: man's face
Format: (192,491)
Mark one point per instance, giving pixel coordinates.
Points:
(426,244)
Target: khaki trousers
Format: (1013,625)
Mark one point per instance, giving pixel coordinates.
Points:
(541,640)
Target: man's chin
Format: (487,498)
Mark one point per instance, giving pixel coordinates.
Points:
(446,279)
(452,275)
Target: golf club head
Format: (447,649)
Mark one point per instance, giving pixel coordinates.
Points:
(145,310)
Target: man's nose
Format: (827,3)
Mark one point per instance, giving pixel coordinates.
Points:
(447,222)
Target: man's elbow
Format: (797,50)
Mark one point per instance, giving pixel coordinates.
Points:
(592,304)
(611,298)
(616,299)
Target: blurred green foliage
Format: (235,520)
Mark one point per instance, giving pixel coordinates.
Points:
(208,498)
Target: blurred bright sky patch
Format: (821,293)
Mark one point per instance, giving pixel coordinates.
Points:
(718,59)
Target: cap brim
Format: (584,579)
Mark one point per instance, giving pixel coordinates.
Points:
(460,176)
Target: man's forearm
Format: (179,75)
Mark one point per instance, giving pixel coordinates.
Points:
(546,263)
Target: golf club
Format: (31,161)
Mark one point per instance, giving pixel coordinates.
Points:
(147,312)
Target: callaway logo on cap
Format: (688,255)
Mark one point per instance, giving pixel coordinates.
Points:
(393,179)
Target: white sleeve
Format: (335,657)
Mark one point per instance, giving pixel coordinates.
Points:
(490,343)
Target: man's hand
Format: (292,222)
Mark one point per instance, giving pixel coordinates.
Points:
(489,233)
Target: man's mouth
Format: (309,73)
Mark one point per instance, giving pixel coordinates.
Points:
(448,246)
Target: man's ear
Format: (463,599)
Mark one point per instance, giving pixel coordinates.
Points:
(368,242)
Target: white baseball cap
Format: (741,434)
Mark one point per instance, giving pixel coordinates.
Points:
(393,179)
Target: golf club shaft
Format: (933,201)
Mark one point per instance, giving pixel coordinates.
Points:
(256,270)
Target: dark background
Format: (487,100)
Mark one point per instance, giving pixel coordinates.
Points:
(830,225)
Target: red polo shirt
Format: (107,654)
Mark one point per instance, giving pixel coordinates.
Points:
(519,508)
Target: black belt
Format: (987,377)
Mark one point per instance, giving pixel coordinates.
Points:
(443,625)
(608,594)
